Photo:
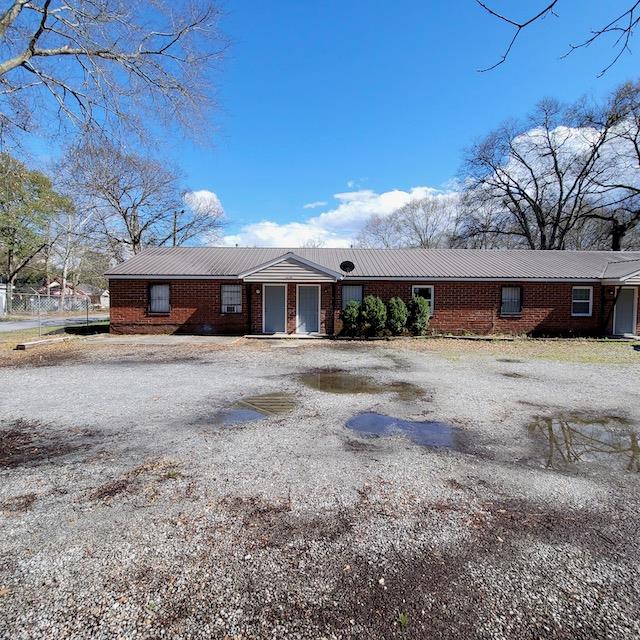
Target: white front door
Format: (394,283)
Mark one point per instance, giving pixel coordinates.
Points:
(624,313)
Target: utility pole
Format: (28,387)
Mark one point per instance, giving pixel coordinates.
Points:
(175,226)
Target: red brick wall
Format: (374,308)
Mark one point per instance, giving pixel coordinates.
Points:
(326,307)
(460,307)
(474,307)
(195,308)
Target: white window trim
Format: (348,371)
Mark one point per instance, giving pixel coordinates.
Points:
(432,306)
(582,315)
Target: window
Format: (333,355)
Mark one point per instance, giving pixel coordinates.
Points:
(511,301)
(351,292)
(231,297)
(581,301)
(159,298)
(426,292)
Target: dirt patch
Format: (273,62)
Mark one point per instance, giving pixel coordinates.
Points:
(18,504)
(273,523)
(25,442)
(141,479)
(48,356)
(429,593)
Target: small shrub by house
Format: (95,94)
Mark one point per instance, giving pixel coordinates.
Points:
(397,315)
(373,316)
(419,311)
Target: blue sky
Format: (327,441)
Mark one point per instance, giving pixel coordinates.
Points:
(372,100)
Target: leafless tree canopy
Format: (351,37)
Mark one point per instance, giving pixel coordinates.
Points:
(620,28)
(105,63)
(565,174)
(130,201)
(426,223)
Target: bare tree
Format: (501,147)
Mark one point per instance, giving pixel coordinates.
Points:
(620,27)
(105,62)
(426,223)
(543,178)
(134,201)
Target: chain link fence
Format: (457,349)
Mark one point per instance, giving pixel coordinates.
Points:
(46,310)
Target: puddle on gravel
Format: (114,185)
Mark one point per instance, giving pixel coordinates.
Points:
(427,433)
(571,440)
(254,408)
(510,360)
(340,381)
(515,375)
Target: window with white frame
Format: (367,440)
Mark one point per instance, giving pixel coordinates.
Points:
(231,297)
(581,301)
(159,298)
(351,292)
(426,292)
(511,301)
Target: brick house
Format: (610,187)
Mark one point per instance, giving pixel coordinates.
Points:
(216,290)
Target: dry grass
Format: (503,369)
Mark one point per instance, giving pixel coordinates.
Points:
(570,350)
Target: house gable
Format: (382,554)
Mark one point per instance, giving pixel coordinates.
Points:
(290,268)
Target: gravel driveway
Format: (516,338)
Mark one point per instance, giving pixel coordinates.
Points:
(134,505)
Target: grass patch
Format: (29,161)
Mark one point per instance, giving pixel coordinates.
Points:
(570,350)
(9,339)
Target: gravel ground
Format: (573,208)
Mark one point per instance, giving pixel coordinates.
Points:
(129,511)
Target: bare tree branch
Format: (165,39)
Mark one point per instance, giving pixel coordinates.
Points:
(622,26)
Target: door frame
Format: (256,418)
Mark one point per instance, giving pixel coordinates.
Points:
(635,310)
(319,287)
(264,298)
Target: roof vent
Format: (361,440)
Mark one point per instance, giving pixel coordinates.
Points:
(347,266)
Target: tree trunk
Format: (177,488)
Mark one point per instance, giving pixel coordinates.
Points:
(618,231)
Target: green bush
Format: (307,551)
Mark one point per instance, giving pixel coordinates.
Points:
(373,315)
(419,310)
(397,314)
(351,318)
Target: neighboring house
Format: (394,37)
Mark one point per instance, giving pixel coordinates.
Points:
(54,288)
(97,295)
(263,290)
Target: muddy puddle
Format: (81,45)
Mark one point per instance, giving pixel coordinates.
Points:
(571,441)
(341,381)
(424,433)
(254,408)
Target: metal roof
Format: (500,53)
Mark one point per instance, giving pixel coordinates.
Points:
(450,264)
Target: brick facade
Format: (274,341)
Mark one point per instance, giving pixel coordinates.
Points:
(460,307)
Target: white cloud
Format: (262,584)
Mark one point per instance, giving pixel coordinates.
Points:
(203,201)
(315,204)
(336,227)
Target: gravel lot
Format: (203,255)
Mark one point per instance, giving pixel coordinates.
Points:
(130,510)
